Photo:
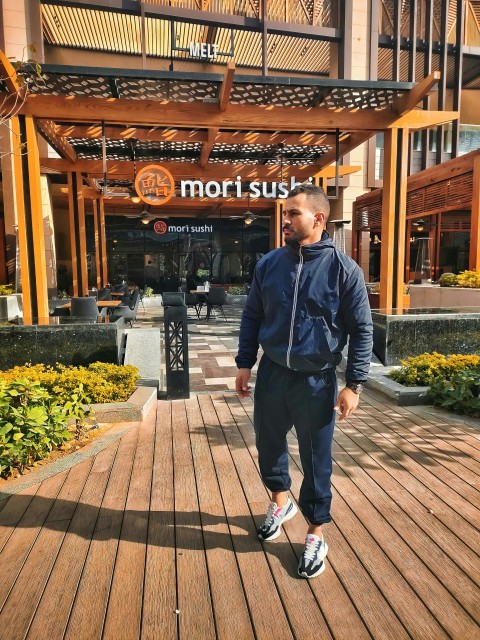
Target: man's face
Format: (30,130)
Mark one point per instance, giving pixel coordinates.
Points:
(301,225)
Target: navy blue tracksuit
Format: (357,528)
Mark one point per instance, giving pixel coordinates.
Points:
(302,307)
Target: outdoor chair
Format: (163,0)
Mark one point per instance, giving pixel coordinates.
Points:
(86,309)
(104,294)
(216,299)
(191,299)
(121,288)
(128,313)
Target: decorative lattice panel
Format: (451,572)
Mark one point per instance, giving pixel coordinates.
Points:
(266,154)
(347,98)
(415,201)
(277,95)
(153,89)
(71,85)
(460,189)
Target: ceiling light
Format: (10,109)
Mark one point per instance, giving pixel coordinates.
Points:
(145,220)
(248,220)
(135,199)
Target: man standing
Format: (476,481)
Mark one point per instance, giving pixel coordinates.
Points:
(306,299)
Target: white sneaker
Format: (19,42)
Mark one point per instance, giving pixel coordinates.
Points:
(276,516)
(312,559)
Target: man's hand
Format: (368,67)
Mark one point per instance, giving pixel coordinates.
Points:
(241,383)
(347,402)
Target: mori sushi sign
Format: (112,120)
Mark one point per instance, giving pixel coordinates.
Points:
(155,185)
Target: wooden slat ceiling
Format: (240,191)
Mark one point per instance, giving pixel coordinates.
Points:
(120,33)
(386,18)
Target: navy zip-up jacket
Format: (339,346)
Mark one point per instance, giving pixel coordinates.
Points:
(303,304)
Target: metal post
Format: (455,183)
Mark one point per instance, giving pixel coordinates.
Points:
(176,352)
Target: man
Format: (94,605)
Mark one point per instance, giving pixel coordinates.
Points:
(306,299)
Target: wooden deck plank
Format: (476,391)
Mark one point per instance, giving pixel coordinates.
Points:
(370,427)
(221,561)
(464,439)
(297,598)
(368,600)
(430,500)
(428,592)
(193,585)
(265,605)
(123,615)
(420,531)
(387,428)
(29,586)
(13,511)
(16,551)
(52,614)
(88,612)
(159,619)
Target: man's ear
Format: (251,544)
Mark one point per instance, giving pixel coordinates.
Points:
(319,218)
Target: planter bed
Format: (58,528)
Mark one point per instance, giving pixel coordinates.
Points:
(402,395)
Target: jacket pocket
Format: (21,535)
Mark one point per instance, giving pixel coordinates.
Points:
(315,339)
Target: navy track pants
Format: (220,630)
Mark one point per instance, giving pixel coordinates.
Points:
(285,398)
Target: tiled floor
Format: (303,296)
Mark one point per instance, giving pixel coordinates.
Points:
(212,347)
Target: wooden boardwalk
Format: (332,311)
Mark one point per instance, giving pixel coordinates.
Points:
(154,537)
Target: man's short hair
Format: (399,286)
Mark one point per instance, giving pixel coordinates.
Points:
(315,195)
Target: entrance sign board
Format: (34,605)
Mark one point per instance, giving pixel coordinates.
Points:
(203,50)
(155,185)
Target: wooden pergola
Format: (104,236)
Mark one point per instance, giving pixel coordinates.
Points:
(204,126)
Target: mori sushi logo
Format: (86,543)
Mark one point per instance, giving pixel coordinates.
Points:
(154,184)
(160,227)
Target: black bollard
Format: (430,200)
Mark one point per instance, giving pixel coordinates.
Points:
(176,348)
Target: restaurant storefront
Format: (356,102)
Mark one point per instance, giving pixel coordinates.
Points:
(222,251)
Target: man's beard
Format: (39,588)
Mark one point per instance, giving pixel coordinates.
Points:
(294,239)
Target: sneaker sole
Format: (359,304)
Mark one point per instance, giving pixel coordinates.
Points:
(321,568)
(293,512)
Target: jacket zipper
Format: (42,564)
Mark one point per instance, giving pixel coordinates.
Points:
(294,307)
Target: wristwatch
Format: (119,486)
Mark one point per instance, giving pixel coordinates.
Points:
(356,387)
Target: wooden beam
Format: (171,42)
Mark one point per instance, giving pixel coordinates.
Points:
(183,114)
(123,169)
(24,256)
(409,100)
(419,119)
(475,217)
(226,88)
(59,143)
(37,231)
(8,74)
(92,132)
(207,147)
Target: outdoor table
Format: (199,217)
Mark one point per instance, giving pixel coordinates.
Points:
(118,294)
(100,304)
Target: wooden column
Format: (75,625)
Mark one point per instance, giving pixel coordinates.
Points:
(30,230)
(277,225)
(474,261)
(103,242)
(97,243)
(392,257)
(78,241)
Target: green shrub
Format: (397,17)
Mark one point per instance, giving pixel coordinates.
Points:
(460,393)
(470,279)
(448,280)
(423,370)
(236,290)
(6,289)
(33,421)
(101,382)
(148,292)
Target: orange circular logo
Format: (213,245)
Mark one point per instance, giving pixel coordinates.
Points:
(160,227)
(154,184)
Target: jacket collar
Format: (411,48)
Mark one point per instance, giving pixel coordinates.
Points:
(311,251)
